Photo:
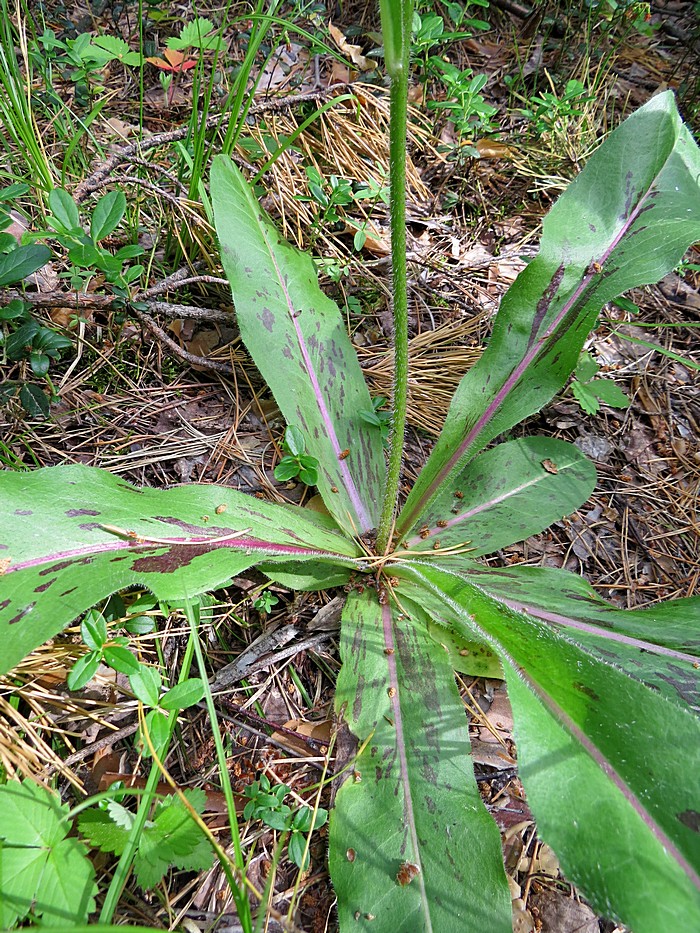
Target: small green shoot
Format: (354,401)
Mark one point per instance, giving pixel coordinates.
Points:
(378,417)
(296,462)
(266,803)
(146,684)
(549,110)
(84,252)
(591,393)
(103,650)
(265,601)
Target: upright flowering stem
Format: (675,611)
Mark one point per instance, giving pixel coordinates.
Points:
(396,28)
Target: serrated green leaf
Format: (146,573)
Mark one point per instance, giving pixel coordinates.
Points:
(596,749)
(410,797)
(609,393)
(195,35)
(587,367)
(182,695)
(625,221)
(117,48)
(40,869)
(63,559)
(297,338)
(505,495)
(172,839)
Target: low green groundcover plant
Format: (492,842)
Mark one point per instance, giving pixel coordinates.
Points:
(603,699)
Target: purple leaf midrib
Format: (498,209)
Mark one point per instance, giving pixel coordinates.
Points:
(575,731)
(361,513)
(534,347)
(416,539)
(591,629)
(390,652)
(608,769)
(237,544)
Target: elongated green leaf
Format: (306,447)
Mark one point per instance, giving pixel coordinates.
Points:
(625,221)
(658,646)
(599,755)
(505,495)
(412,847)
(298,341)
(70,536)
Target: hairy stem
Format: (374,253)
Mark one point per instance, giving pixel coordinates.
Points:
(397,176)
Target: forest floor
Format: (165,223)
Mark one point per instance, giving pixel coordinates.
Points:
(160,397)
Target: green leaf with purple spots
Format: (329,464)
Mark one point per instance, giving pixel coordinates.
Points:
(297,338)
(618,804)
(505,495)
(72,535)
(412,847)
(658,645)
(625,221)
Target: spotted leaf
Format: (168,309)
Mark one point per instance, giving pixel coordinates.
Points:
(73,535)
(297,338)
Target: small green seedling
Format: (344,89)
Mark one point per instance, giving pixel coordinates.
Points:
(265,601)
(591,393)
(548,110)
(84,251)
(146,685)
(379,417)
(104,649)
(296,462)
(266,803)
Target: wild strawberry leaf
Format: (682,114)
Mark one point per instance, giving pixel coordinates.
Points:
(505,495)
(41,870)
(409,835)
(297,338)
(584,767)
(625,221)
(72,535)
